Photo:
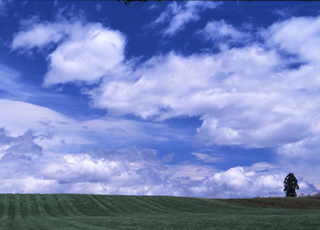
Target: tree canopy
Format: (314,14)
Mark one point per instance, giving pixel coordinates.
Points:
(127,2)
(290,185)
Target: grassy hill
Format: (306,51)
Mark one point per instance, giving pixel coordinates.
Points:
(75,211)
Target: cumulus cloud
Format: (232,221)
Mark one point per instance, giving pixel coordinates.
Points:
(85,52)
(253,96)
(237,182)
(207,84)
(221,32)
(26,167)
(179,15)
(306,37)
(17,154)
(114,176)
(130,171)
(230,99)
(101,171)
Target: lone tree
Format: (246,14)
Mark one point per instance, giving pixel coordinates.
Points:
(290,185)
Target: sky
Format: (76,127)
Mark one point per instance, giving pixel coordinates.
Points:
(181,98)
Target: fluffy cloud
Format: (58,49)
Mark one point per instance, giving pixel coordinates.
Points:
(114,176)
(39,35)
(100,171)
(180,15)
(17,156)
(237,182)
(304,30)
(165,88)
(237,106)
(252,96)
(130,171)
(85,52)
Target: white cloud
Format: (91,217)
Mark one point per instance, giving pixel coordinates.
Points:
(297,35)
(85,52)
(248,96)
(70,135)
(180,15)
(122,171)
(215,87)
(130,171)
(237,182)
(41,34)
(193,85)
(208,158)
(219,31)
(260,166)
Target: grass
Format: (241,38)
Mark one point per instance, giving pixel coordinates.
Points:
(77,211)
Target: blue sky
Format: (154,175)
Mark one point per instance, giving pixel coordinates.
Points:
(182,98)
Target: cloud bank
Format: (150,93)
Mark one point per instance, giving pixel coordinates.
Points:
(130,171)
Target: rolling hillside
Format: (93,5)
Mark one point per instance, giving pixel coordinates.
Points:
(76,211)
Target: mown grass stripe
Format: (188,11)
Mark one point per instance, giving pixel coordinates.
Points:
(4,207)
(96,223)
(72,210)
(113,207)
(102,208)
(23,206)
(79,204)
(151,204)
(61,205)
(95,208)
(42,205)
(82,203)
(51,206)
(64,205)
(166,203)
(128,205)
(35,200)
(97,212)
(11,210)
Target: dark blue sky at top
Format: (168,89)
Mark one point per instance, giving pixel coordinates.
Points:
(133,20)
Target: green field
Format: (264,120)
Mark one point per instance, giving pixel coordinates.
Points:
(75,211)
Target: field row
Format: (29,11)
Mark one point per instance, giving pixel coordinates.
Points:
(19,206)
(97,212)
